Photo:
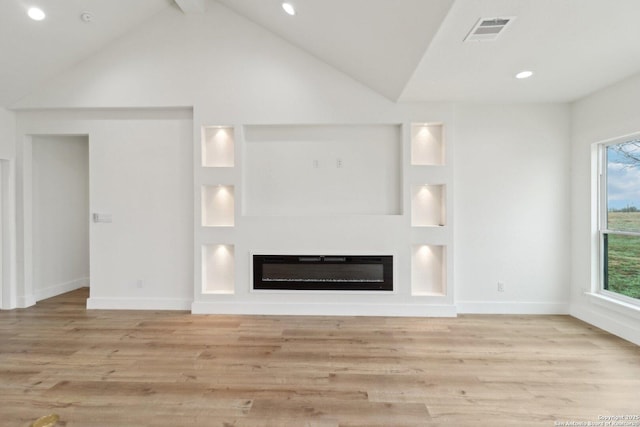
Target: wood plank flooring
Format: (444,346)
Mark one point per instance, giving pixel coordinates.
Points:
(135,368)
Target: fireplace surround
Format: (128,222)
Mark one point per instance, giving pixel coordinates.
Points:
(323,272)
(323,192)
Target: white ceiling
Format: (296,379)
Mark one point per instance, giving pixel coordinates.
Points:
(31,52)
(378,42)
(574,47)
(406,50)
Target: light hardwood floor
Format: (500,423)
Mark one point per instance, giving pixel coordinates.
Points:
(134,368)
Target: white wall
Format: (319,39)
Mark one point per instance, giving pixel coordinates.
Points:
(294,170)
(218,60)
(140,173)
(606,114)
(7,133)
(512,209)
(233,72)
(8,290)
(60,214)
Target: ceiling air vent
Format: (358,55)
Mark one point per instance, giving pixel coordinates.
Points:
(488,29)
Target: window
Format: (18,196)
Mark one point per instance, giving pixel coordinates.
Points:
(620,218)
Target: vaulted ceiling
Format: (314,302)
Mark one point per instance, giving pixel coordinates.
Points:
(406,50)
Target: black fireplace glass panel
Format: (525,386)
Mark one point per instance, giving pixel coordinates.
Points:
(323,272)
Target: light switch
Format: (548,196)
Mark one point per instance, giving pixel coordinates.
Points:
(101,217)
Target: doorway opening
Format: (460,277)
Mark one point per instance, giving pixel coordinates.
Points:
(60,214)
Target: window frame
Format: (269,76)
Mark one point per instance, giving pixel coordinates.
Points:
(602,221)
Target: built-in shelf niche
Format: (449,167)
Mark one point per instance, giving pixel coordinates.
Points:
(218,269)
(218,206)
(218,147)
(428,270)
(428,205)
(427,144)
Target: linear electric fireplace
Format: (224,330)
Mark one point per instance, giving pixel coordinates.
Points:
(323,272)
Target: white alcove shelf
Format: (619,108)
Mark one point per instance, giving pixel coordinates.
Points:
(218,269)
(218,206)
(428,270)
(218,147)
(428,205)
(427,144)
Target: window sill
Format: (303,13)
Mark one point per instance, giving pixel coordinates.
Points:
(613,304)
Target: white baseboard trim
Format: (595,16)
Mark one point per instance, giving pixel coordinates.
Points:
(61,288)
(138,304)
(26,301)
(511,307)
(628,329)
(324,309)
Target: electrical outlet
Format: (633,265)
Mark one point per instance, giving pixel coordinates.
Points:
(500,286)
(139,284)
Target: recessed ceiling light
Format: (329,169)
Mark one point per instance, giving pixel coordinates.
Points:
(524,74)
(36,14)
(288,7)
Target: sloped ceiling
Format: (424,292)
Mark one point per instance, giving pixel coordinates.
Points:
(405,50)
(377,42)
(574,47)
(31,52)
